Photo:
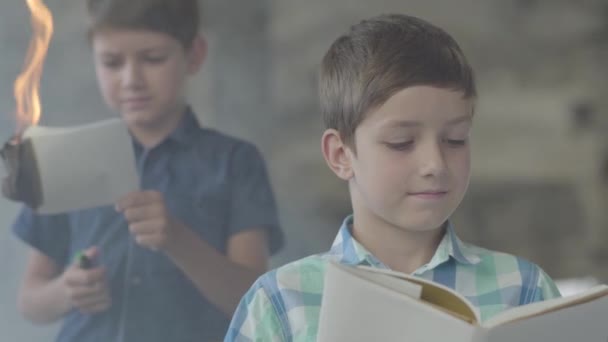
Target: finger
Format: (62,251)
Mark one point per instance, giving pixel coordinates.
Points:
(144,212)
(75,276)
(150,241)
(137,214)
(95,309)
(136,199)
(144,228)
(82,303)
(92,252)
(126,200)
(95,306)
(78,293)
(101,307)
(84,296)
(81,277)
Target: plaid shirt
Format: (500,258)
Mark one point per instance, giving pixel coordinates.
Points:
(284,304)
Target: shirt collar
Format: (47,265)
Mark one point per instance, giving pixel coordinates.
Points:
(349,251)
(452,246)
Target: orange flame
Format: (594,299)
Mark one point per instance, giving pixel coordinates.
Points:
(27,84)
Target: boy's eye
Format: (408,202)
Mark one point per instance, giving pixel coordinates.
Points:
(400,146)
(456,142)
(112,63)
(155,59)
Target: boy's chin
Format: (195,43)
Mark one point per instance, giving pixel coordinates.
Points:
(138,119)
(422,223)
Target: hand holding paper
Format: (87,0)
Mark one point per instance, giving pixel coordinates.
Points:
(149,219)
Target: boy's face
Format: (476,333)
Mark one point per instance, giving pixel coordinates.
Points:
(412,162)
(142,74)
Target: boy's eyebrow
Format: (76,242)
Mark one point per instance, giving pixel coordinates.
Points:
(142,50)
(108,54)
(411,123)
(155,49)
(465,118)
(402,123)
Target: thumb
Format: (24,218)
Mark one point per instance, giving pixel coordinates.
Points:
(86,258)
(91,252)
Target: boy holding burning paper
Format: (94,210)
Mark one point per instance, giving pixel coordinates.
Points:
(169,262)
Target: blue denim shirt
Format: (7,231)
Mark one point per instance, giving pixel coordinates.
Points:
(216,184)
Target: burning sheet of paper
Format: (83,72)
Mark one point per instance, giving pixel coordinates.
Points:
(84,166)
(62,169)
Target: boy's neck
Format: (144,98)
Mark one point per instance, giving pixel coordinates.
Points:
(151,135)
(399,249)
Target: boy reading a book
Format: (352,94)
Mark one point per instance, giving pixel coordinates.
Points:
(397,97)
(169,262)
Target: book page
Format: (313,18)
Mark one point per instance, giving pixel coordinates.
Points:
(583,322)
(539,308)
(358,309)
(83,166)
(385,279)
(440,296)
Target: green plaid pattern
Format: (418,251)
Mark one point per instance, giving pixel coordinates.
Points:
(284,304)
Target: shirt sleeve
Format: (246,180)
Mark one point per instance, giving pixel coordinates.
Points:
(49,234)
(255,319)
(252,199)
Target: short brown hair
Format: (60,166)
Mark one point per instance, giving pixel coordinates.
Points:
(177,18)
(381,56)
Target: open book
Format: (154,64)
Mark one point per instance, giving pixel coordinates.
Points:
(367,304)
(60,169)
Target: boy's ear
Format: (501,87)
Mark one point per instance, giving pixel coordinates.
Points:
(337,155)
(197,54)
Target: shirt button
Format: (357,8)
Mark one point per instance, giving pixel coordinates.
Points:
(135,281)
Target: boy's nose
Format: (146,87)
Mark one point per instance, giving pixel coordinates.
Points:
(132,77)
(431,161)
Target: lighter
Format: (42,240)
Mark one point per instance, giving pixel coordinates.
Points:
(83,261)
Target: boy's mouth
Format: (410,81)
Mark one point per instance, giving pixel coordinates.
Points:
(134,103)
(429,194)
